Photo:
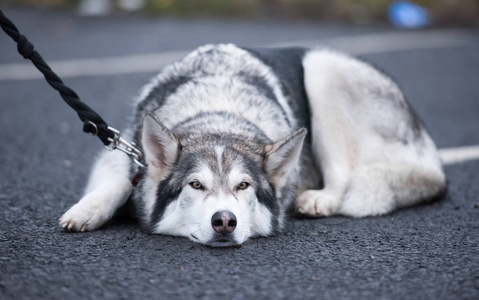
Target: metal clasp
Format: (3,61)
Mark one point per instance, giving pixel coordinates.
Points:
(118,143)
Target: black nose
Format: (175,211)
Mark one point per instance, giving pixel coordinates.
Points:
(223,221)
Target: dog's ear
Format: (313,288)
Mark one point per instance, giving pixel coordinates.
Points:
(161,147)
(282,157)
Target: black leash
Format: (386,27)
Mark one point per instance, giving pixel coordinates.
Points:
(92,122)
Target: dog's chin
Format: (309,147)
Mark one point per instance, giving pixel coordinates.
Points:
(219,241)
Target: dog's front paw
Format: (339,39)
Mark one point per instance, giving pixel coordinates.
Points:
(317,203)
(81,218)
(86,215)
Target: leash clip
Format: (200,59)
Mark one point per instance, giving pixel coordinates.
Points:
(118,143)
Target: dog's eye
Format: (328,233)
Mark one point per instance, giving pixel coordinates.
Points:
(243,185)
(196,185)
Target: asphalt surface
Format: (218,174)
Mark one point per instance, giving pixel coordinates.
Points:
(425,252)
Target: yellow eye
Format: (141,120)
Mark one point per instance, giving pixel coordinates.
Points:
(243,185)
(196,185)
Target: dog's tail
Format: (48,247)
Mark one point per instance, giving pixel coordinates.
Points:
(456,155)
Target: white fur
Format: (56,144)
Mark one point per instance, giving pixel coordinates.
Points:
(149,197)
(219,157)
(363,174)
(236,176)
(108,188)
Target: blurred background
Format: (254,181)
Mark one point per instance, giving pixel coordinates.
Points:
(402,14)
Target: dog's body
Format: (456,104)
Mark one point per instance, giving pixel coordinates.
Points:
(222,134)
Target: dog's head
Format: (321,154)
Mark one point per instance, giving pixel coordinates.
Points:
(215,193)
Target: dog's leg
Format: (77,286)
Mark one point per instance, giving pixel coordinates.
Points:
(333,148)
(333,142)
(373,152)
(379,188)
(108,188)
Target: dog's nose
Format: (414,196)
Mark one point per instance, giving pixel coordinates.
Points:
(223,221)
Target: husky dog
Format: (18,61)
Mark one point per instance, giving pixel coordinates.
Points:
(222,132)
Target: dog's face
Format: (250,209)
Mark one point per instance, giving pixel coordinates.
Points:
(214,193)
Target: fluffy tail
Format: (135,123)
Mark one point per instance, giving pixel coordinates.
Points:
(456,155)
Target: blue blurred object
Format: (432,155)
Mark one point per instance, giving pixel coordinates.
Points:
(405,14)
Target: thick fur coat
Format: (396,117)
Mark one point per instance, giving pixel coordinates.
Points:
(233,136)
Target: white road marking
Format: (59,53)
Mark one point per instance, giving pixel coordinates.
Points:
(456,155)
(153,62)
(128,64)
(390,42)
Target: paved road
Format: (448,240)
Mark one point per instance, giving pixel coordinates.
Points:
(426,252)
